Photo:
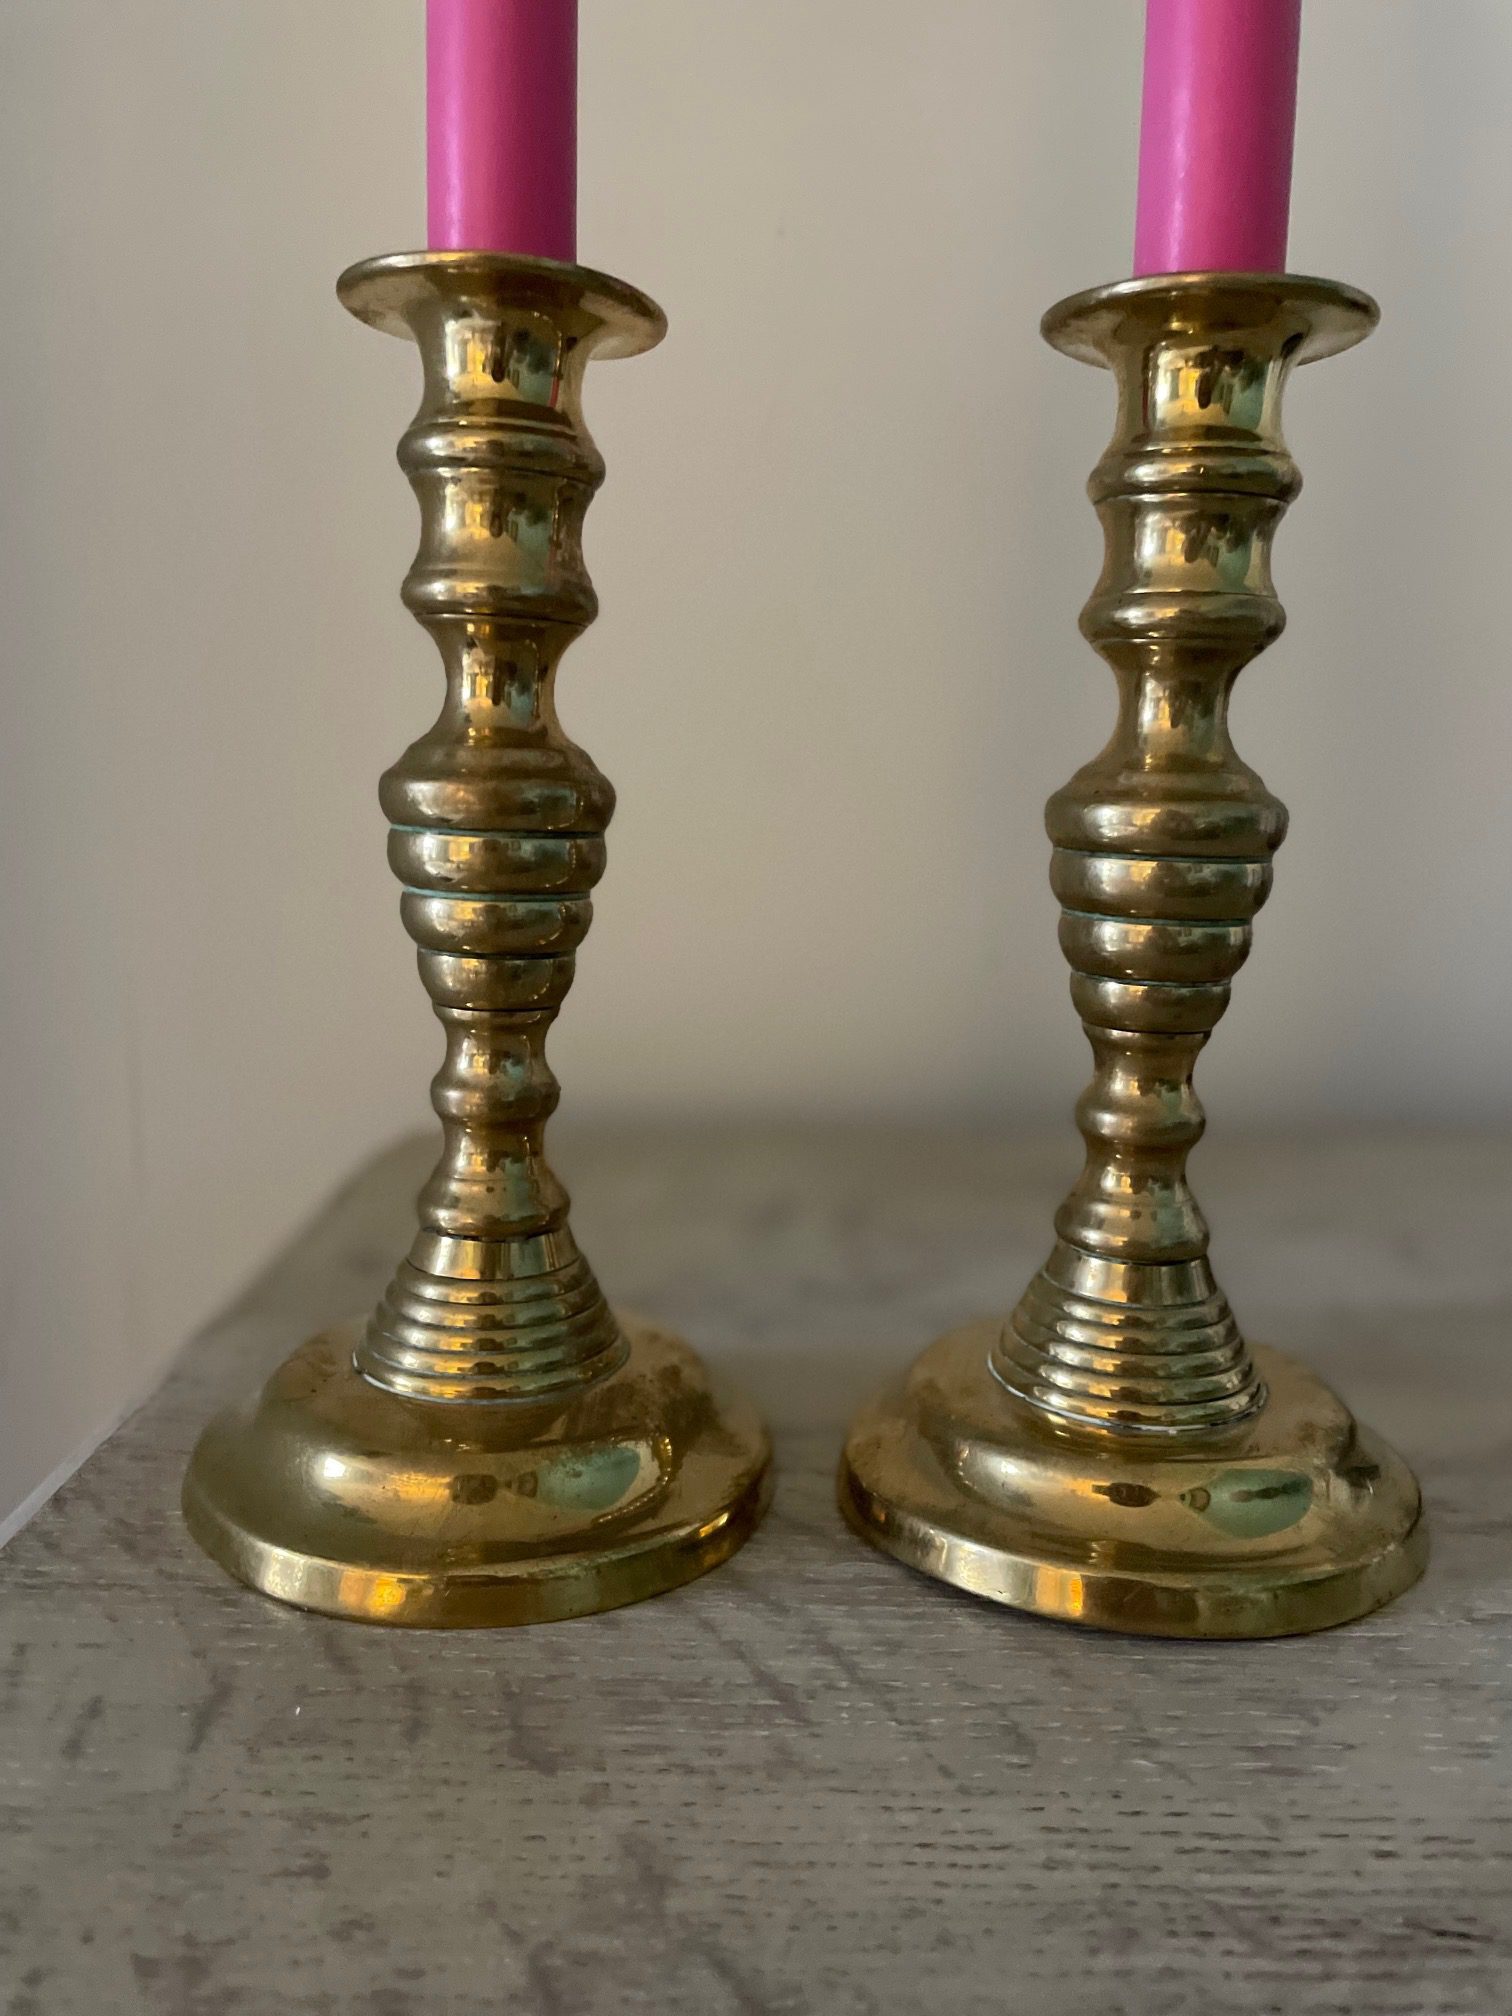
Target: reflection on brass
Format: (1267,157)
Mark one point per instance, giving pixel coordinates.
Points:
(494,1446)
(1115,1453)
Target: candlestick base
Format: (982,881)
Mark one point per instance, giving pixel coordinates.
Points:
(1292,1521)
(331,1493)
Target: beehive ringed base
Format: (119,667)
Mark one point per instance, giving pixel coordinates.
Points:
(1294,1521)
(327,1492)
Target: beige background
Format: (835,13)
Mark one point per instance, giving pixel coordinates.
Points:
(841,553)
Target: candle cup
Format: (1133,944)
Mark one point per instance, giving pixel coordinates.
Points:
(1115,1454)
(494,1445)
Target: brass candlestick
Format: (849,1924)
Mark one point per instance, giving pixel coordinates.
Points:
(1114,1453)
(494,1446)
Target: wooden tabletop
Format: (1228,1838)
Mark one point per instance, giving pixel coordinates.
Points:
(812,1784)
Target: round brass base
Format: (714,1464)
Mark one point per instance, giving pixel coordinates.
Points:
(1292,1521)
(328,1492)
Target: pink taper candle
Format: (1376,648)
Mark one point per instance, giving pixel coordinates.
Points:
(501,125)
(1215,140)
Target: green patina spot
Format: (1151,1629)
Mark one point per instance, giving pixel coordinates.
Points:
(591,1480)
(1248,1504)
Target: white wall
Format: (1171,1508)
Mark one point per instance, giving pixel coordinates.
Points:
(841,553)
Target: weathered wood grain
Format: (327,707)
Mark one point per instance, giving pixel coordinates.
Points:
(810,1785)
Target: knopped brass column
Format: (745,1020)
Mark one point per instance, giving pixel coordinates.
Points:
(494,1446)
(1115,1453)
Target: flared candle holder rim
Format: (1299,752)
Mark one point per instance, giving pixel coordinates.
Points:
(386,290)
(1096,323)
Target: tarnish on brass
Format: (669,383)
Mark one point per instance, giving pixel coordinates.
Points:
(1115,1453)
(493,1446)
